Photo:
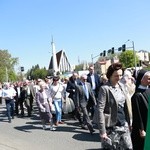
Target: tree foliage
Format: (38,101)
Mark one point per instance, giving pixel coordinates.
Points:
(7,64)
(82,66)
(79,67)
(36,72)
(127,59)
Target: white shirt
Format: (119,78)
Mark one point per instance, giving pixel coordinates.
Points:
(18,90)
(57,91)
(93,82)
(8,93)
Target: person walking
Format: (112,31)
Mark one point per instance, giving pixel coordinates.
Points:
(94,79)
(114,109)
(17,88)
(26,99)
(57,92)
(8,93)
(71,85)
(84,94)
(140,109)
(43,101)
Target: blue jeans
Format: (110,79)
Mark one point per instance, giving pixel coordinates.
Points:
(58,108)
(10,108)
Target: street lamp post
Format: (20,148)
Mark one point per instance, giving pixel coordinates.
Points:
(6,74)
(93,58)
(134,54)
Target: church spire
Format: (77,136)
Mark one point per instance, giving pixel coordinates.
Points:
(55,65)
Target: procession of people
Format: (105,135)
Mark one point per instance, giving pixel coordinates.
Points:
(110,103)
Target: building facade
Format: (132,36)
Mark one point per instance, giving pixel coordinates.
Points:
(63,64)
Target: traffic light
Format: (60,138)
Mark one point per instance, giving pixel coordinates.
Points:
(112,50)
(109,51)
(124,47)
(101,54)
(22,69)
(120,48)
(104,53)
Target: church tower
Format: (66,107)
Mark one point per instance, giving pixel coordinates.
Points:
(55,65)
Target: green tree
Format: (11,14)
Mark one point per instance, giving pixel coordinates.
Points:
(79,67)
(7,64)
(127,59)
(36,72)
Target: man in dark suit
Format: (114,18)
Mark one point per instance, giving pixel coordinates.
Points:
(26,96)
(84,95)
(73,81)
(17,88)
(94,79)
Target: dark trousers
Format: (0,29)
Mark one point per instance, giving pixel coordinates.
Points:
(77,113)
(10,108)
(87,119)
(28,106)
(0,100)
(17,103)
(90,108)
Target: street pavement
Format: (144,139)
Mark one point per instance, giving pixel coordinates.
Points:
(27,134)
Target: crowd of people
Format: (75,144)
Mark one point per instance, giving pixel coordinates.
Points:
(117,102)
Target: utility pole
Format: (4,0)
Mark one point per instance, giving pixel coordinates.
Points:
(134,54)
(6,71)
(93,58)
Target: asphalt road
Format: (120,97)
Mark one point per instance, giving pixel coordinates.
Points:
(27,134)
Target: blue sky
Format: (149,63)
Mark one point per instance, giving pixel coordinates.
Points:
(79,27)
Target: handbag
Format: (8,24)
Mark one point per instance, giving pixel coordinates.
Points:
(53,110)
(68,106)
(72,104)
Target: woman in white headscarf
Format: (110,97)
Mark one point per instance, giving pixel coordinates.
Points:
(129,82)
